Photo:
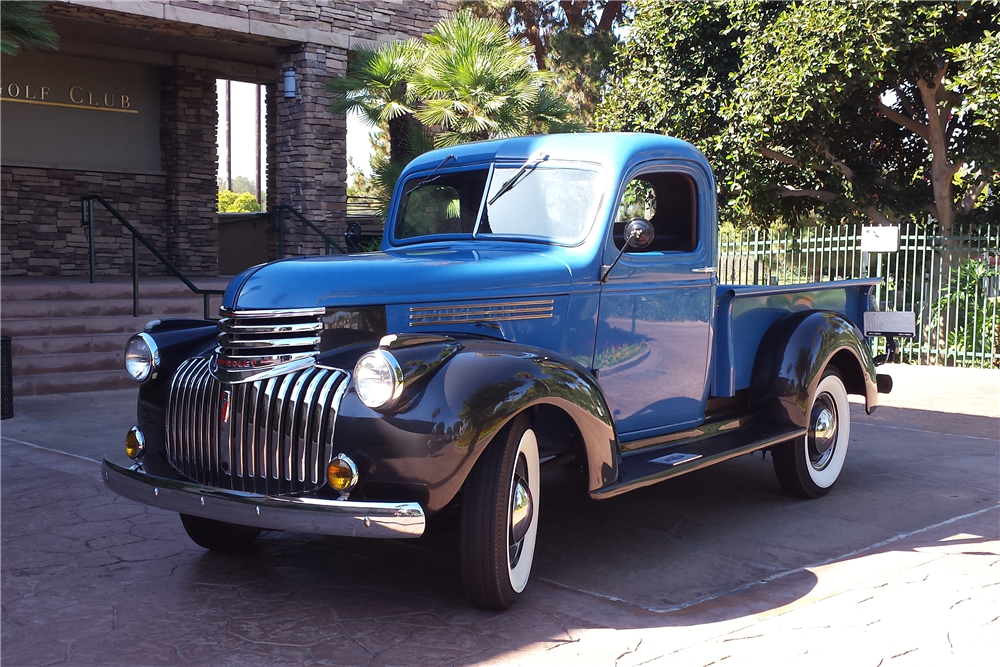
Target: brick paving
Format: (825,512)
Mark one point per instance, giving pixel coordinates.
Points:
(900,564)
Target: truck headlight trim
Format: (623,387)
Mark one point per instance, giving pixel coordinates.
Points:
(378,379)
(142,357)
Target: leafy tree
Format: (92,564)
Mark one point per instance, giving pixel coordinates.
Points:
(232,202)
(23,25)
(377,86)
(574,40)
(466,81)
(476,83)
(849,110)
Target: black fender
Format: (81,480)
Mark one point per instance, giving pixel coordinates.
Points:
(177,341)
(424,445)
(792,356)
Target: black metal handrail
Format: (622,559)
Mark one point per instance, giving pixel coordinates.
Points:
(279,224)
(137,237)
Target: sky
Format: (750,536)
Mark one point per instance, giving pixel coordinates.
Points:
(242,103)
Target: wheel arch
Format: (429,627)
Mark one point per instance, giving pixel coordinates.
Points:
(432,441)
(792,356)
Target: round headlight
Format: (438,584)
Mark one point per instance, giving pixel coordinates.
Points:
(142,357)
(378,379)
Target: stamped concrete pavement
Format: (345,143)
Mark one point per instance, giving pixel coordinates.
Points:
(899,564)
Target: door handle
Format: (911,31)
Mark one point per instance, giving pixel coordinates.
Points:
(707,269)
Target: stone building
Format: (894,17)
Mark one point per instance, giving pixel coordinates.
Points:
(126,109)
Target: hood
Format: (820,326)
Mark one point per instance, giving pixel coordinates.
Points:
(403,275)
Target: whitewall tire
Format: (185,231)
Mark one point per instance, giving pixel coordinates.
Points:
(808,467)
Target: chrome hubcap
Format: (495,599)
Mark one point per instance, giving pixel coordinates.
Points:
(822,436)
(521,511)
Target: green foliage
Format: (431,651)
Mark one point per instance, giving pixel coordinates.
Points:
(377,86)
(240,184)
(574,41)
(231,202)
(475,82)
(861,110)
(466,81)
(23,25)
(973,315)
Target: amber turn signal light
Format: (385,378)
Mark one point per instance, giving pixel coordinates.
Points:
(342,474)
(135,443)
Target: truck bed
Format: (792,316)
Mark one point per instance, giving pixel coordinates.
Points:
(744,313)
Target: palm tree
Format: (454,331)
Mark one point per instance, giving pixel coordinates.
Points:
(476,83)
(376,86)
(22,24)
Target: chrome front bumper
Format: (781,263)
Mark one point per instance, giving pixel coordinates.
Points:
(300,515)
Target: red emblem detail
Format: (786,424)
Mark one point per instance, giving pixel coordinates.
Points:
(224,405)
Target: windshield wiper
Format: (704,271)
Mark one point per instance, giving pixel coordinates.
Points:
(427,178)
(509,184)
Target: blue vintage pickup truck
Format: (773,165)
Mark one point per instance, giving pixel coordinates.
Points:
(536,302)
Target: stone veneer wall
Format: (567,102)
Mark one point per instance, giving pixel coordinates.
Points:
(188,125)
(41,230)
(310,157)
(42,233)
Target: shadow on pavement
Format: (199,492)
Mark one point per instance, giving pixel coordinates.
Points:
(123,584)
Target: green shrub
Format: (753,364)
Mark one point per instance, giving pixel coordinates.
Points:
(230,202)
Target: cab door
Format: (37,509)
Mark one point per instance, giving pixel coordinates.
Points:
(654,337)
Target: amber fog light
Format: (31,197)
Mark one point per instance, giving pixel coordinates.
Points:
(135,443)
(342,474)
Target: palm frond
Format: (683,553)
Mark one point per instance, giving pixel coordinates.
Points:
(23,25)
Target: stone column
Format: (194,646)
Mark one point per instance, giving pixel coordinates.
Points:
(188,125)
(309,159)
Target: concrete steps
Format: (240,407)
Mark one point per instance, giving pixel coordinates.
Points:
(69,335)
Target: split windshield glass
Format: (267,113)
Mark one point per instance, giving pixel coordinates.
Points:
(547,202)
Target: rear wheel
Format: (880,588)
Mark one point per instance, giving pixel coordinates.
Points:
(219,535)
(807,467)
(500,518)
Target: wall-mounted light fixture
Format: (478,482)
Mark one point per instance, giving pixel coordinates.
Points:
(289,83)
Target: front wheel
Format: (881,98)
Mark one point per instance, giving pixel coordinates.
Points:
(807,467)
(500,518)
(219,535)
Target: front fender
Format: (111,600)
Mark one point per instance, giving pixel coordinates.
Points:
(425,448)
(791,359)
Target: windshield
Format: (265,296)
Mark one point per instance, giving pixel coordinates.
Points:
(545,201)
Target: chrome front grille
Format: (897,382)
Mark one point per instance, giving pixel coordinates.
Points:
(257,344)
(272,436)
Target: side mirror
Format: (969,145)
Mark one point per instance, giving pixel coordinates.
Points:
(639,233)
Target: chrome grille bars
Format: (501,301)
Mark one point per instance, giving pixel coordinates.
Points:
(258,344)
(271,436)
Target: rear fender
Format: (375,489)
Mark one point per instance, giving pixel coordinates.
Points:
(425,447)
(791,359)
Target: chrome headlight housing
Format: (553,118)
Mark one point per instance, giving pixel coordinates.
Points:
(142,357)
(378,379)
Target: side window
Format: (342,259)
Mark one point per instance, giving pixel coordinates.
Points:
(669,202)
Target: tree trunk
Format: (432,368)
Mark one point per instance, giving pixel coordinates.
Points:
(608,16)
(401,129)
(942,169)
(531,32)
(574,13)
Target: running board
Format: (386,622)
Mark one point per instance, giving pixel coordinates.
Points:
(649,466)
